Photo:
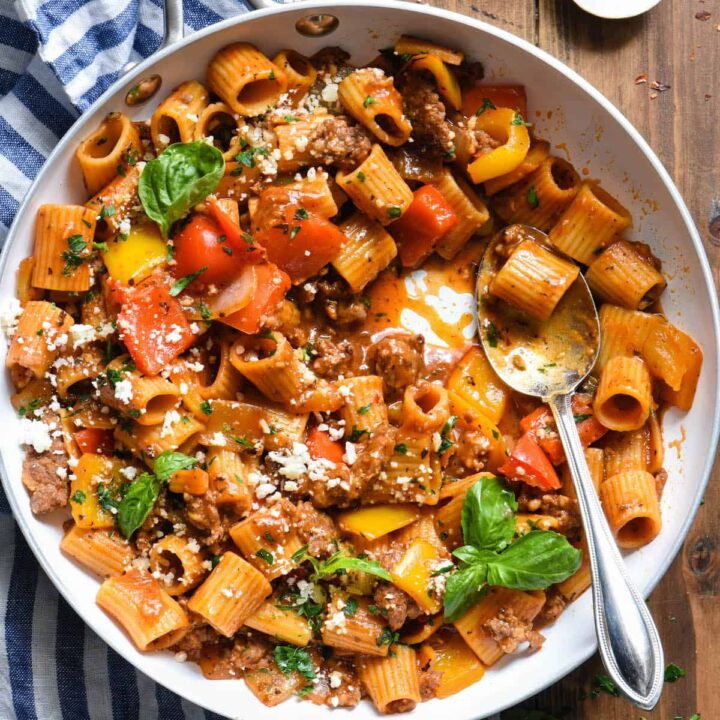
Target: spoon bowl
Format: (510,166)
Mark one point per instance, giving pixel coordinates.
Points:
(538,358)
(549,359)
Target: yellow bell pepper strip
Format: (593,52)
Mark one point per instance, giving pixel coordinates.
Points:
(508,127)
(447,83)
(453,658)
(414,571)
(134,258)
(408,45)
(92,491)
(375,521)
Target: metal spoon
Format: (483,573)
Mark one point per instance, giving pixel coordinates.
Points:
(549,360)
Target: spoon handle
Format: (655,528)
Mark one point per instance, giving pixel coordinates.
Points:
(627,637)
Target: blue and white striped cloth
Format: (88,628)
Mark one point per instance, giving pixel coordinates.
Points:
(56,58)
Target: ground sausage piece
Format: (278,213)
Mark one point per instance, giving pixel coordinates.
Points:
(332,359)
(337,142)
(316,530)
(509,631)
(336,299)
(398,359)
(426,113)
(562,507)
(429,683)
(248,652)
(192,643)
(470,452)
(48,491)
(393,604)
(372,456)
(202,512)
(336,685)
(555,603)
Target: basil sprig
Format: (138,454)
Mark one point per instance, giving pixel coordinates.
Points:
(490,557)
(141,496)
(338,563)
(180,177)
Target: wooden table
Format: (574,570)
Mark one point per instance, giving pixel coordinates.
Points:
(676,44)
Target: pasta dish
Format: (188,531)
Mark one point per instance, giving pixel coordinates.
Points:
(247,370)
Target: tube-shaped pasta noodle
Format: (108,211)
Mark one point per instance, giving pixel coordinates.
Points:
(392,682)
(283,624)
(474,380)
(371,98)
(626,451)
(425,407)
(471,211)
(176,117)
(106,554)
(408,45)
(623,276)
(524,605)
(623,332)
(245,79)
(624,396)
(364,408)
(369,250)
(538,152)
(177,563)
(596,462)
(571,588)
(83,366)
(24,290)
(376,188)
(412,473)
(282,428)
(541,197)
(40,335)
(272,366)
(115,144)
(230,595)
(147,399)
(298,70)
(229,478)
(589,223)
(63,237)
(507,127)
(631,504)
(656,448)
(356,633)
(176,432)
(272,558)
(112,204)
(534,280)
(148,614)
(217,121)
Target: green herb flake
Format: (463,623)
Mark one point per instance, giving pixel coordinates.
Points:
(206,407)
(364,410)
(179,285)
(351,607)
(487,104)
(356,434)
(368,101)
(78,497)
(581,417)
(294,231)
(72,256)
(491,334)
(361,176)
(400,449)
(673,673)
(532,197)
(394,211)
(302,214)
(387,637)
(266,556)
(291,659)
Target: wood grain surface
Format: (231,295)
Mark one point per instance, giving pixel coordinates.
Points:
(676,44)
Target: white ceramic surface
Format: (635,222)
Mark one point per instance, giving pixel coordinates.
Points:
(580,123)
(616,9)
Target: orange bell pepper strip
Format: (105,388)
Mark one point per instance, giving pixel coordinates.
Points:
(226,215)
(428,219)
(529,464)
(320,446)
(540,424)
(301,245)
(271,284)
(509,96)
(97,441)
(153,325)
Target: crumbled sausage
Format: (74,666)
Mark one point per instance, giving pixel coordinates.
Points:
(429,682)
(373,454)
(48,489)
(316,530)
(335,298)
(398,359)
(509,631)
(395,605)
(332,359)
(555,603)
(426,113)
(336,142)
(336,685)
(247,652)
(331,60)
(192,642)
(561,507)
(469,452)
(202,512)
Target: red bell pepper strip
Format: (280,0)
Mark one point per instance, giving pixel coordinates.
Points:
(428,219)
(529,464)
(95,440)
(320,446)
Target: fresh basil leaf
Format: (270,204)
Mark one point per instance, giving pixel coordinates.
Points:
(168,463)
(180,177)
(468,554)
(535,561)
(137,503)
(488,515)
(462,590)
(345,562)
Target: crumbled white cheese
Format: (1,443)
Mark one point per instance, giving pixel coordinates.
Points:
(172,417)
(124,391)
(329,93)
(36,433)
(264,490)
(336,679)
(350,455)
(129,472)
(217,440)
(296,463)
(124,226)
(10,311)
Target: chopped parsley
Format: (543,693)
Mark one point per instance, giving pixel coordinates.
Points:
(369,100)
(72,257)
(265,555)
(387,637)
(394,211)
(581,417)
(673,673)
(179,285)
(361,176)
(445,442)
(206,407)
(294,231)
(351,607)
(291,659)
(532,197)
(401,449)
(602,683)
(518,119)
(364,410)
(215,560)
(487,104)
(79,497)
(290,118)
(491,334)
(356,434)
(302,214)
(205,313)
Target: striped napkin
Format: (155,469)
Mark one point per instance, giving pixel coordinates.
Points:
(56,58)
